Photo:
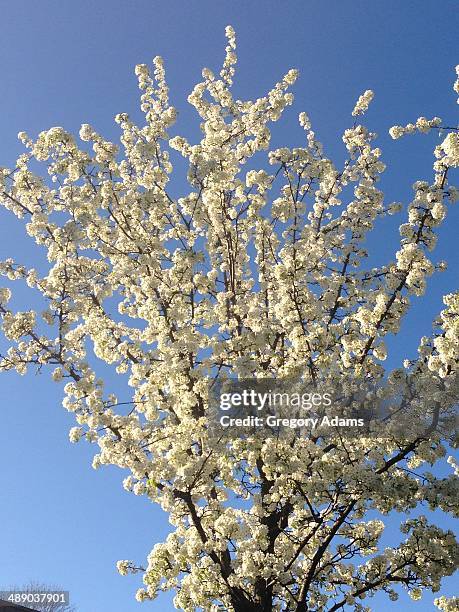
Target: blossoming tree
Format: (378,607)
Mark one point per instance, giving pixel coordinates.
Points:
(256,271)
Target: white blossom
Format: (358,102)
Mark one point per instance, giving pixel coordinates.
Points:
(363,103)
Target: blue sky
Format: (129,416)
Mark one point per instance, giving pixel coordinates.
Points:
(69,63)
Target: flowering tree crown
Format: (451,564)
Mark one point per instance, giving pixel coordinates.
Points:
(252,273)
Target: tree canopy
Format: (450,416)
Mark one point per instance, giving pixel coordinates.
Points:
(259,271)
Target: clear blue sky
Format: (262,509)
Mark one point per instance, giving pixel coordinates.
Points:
(67,63)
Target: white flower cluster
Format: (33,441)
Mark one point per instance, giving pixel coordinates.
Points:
(456,82)
(446,344)
(450,149)
(124,567)
(422,125)
(363,103)
(447,604)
